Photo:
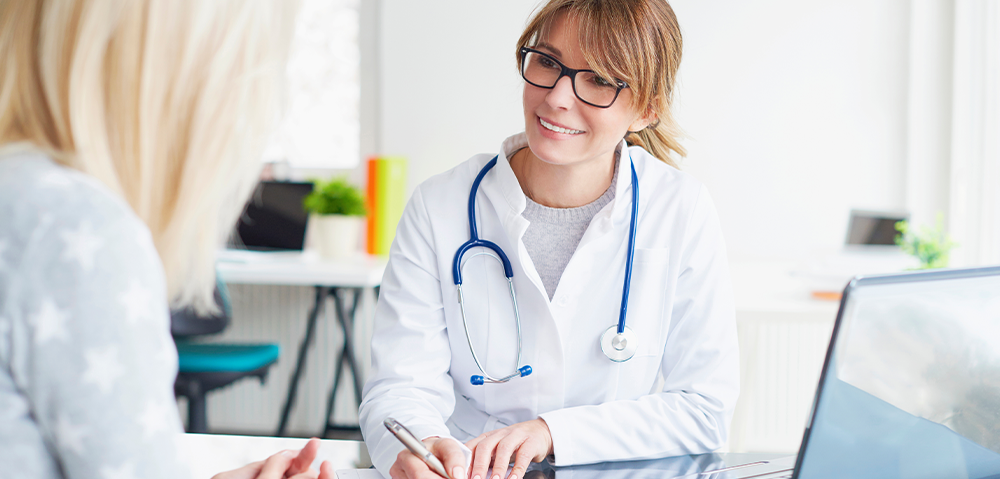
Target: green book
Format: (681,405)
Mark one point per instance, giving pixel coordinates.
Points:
(390,200)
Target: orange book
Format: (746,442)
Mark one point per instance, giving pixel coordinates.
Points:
(372,194)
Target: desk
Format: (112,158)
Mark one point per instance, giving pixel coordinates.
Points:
(354,274)
(701,466)
(210,454)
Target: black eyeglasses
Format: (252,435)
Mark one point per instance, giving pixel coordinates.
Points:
(544,71)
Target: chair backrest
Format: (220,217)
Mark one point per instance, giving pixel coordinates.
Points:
(185,322)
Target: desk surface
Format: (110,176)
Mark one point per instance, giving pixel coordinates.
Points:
(210,454)
(702,466)
(299,269)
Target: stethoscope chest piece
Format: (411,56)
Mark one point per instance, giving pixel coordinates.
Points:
(619,347)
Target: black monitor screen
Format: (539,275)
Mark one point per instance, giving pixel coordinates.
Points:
(872,229)
(274,218)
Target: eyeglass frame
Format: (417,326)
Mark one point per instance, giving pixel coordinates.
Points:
(567,72)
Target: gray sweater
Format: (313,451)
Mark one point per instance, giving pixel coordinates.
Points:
(554,233)
(87,364)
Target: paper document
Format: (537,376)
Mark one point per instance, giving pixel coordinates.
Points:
(359,474)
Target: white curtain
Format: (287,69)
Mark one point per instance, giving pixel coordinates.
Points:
(953,146)
(975,133)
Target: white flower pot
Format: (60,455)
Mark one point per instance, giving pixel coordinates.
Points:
(336,236)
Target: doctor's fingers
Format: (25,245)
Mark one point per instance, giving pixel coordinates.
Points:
(495,448)
(409,466)
(521,460)
(449,451)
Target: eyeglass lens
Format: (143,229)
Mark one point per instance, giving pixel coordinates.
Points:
(543,71)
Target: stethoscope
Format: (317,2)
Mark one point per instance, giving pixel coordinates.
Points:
(618,342)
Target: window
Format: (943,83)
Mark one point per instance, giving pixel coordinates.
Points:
(321,127)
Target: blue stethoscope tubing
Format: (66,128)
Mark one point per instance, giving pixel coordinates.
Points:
(618,342)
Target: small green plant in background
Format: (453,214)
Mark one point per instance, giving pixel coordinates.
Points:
(929,245)
(335,197)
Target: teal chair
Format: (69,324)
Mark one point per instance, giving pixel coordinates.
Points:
(204,367)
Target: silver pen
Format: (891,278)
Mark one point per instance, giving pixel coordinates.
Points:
(415,445)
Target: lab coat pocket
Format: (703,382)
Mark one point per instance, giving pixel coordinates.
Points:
(645,315)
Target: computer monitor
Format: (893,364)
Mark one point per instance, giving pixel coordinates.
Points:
(911,383)
(873,228)
(274,218)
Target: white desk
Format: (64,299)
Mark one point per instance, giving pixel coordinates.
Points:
(210,454)
(299,269)
(353,274)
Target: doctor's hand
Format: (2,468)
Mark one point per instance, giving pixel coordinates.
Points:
(449,451)
(524,442)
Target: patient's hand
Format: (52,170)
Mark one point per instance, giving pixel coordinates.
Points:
(284,465)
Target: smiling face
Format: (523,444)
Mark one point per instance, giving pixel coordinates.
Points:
(562,129)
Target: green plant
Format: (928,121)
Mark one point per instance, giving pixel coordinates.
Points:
(930,245)
(335,197)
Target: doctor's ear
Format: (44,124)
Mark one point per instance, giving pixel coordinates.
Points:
(648,120)
(642,124)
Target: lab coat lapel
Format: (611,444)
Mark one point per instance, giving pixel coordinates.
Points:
(542,349)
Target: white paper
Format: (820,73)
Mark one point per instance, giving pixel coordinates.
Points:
(359,474)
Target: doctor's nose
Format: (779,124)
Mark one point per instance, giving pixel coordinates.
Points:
(561,95)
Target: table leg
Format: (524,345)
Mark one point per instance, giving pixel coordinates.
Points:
(293,386)
(346,320)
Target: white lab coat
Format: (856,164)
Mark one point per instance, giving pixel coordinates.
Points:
(680,307)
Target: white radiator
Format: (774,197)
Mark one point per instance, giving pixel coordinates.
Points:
(278,314)
(781,357)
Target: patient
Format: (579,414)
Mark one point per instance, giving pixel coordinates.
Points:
(130,134)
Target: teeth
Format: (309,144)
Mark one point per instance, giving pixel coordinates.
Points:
(559,129)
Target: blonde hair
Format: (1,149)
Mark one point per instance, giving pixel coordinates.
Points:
(166,102)
(637,41)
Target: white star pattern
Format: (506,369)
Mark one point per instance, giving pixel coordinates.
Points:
(156,418)
(103,368)
(125,471)
(70,437)
(136,301)
(49,322)
(81,245)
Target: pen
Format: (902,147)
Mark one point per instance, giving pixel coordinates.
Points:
(414,445)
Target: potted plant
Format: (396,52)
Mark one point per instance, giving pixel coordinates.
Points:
(337,211)
(929,245)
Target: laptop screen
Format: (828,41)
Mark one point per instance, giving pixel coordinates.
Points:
(911,386)
(274,218)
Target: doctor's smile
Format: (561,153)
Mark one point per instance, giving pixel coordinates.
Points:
(559,129)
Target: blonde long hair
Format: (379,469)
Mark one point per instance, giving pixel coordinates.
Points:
(166,102)
(637,41)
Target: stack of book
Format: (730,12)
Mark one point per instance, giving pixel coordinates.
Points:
(386,199)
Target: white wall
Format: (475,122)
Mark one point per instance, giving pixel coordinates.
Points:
(795,110)
(796,113)
(449,85)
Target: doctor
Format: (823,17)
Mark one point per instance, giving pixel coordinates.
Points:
(597,226)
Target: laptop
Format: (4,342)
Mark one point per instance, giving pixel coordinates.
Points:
(274,219)
(911,383)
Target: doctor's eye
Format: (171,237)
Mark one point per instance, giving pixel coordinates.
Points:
(545,62)
(600,82)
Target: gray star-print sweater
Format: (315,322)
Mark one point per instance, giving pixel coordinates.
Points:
(87,364)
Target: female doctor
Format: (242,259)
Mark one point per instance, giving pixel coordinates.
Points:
(569,296)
